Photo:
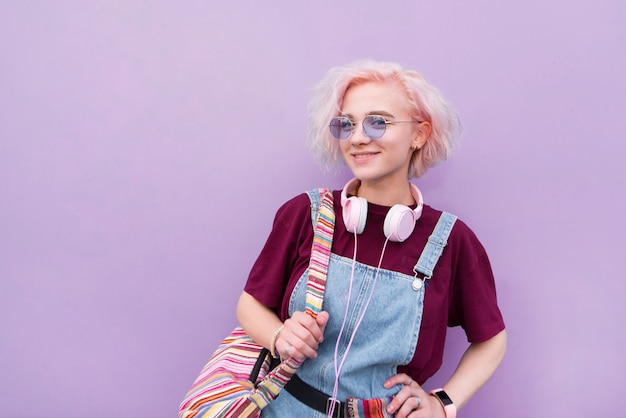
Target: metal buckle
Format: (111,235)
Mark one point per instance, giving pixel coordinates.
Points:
(337,410)
(419,282)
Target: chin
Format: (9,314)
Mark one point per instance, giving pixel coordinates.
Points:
(365,176)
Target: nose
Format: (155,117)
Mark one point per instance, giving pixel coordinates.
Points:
(358,136)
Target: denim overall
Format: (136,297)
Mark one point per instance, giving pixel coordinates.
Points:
(386,338)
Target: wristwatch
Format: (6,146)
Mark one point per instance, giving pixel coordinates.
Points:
(448,406)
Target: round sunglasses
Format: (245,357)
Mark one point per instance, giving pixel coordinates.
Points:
(374,126)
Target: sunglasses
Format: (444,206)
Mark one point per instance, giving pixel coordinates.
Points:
(374,126)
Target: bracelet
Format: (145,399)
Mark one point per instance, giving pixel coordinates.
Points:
(273,342)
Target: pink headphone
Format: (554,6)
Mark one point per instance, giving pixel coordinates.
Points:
(400,219)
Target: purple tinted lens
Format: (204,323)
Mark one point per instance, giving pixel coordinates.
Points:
(374,126)
(340,128)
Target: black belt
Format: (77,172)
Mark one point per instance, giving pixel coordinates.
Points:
(314,398)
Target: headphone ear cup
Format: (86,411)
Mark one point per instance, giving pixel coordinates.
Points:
(399,223)
(355,214)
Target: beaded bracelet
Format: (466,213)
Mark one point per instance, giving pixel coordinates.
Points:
(273,342)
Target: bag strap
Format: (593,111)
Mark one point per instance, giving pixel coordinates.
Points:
(323,218)
(435,245)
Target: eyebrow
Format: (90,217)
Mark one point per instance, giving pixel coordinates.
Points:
(373,112)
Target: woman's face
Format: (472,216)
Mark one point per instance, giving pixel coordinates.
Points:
(385,160)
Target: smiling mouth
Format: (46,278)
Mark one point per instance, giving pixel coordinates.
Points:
(362,156)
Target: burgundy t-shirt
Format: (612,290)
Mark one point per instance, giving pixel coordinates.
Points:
(461,291)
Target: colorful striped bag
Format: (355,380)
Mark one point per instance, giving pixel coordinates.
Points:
(238,380)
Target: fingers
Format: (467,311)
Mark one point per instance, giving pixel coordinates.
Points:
(301,335)
(412,407)
(400,379)
(322,320)
(410,400)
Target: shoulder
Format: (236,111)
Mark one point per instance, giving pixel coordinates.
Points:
(462,237)
(295,210)
(295,204)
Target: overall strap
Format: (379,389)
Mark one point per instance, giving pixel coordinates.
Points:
(315,196)
(434,248)
(323,218)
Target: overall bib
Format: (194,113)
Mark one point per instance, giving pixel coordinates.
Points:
(386,338)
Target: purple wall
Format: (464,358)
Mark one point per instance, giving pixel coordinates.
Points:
(145,147)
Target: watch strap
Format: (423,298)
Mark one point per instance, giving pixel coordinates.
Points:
(448,406)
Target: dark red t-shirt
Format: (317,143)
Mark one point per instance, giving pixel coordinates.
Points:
(461,292)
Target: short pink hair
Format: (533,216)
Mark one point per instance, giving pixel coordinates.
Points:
(425,102)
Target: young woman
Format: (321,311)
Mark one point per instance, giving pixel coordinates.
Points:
(382,332)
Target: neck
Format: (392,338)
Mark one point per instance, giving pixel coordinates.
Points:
(386,195)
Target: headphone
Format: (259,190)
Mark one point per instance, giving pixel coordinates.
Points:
(400,219)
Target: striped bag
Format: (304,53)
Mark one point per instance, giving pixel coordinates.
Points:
(239,380)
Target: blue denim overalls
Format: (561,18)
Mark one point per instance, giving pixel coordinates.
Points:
(386,338)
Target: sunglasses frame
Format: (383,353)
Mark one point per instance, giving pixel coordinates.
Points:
(354,124)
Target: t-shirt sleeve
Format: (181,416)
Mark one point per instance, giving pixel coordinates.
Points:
(474,303)
(270,273)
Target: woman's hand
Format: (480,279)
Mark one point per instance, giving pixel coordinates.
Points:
(412,401)
(301,335)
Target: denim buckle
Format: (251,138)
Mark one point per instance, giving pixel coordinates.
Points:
(337,410)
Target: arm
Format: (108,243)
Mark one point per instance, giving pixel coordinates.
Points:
(477,365)
(301,332)
(257,320)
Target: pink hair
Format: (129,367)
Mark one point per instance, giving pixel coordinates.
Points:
(425,101)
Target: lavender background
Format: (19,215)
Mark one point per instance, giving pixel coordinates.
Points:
(145,146)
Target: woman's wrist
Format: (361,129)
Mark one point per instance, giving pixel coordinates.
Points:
(445,401)
(273,341)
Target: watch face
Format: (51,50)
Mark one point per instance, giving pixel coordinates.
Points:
(445,399)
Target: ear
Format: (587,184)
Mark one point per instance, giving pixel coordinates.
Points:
(422,134)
